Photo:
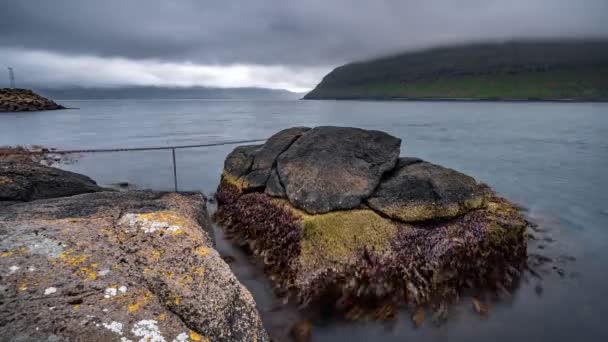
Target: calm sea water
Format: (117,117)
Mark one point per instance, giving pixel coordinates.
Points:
(551,158)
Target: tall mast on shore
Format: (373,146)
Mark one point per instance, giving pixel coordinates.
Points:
(11,77)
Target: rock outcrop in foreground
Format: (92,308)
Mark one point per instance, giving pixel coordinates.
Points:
(24,100)
(337,215)
(118,266)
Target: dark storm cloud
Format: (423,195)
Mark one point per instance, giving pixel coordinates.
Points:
(281,32)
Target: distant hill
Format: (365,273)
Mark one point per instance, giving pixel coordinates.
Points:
(526,70)
(135,92)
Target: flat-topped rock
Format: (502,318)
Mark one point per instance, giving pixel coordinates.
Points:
(24,100)
(419,191)
(119,266)
(28,181)
(333,168)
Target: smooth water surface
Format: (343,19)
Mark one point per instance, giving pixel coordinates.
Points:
(551,158)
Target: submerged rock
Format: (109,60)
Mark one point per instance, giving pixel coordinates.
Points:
(28,181)
(118,266)
(345,220)
(24,100)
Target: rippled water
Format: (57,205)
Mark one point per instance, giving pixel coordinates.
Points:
(551,158)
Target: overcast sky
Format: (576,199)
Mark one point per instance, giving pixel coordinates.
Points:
(265,43)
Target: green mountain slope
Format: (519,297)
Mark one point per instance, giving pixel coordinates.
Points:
(529,70)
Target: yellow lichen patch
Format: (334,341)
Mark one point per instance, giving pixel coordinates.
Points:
(338,236)
(423,211)
(76,307)
(162,317)
(85,273)
(195,337)
(185,280)
(22,287)
(133,307)
(155,255)
(229,179)
(5,254)
(202,251)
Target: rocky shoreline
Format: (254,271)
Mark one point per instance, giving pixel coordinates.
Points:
(24,100)
(338,220)
(83,263)
(336,216)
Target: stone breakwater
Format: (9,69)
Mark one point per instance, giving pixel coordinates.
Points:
(337,217)
(82,263)
(24,100)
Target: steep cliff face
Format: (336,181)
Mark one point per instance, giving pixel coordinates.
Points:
(528,70)
(24,100)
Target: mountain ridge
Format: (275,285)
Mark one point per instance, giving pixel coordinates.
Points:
(517,70)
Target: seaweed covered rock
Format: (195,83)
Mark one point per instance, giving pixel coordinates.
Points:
(28,181)
(342,218)
(24,100)
(119,266)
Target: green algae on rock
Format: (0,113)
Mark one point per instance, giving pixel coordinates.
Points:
(423,233)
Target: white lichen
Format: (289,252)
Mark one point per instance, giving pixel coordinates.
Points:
(31,268)
(146,225)
(183,337)
(115,327)
(123,289)
(110,292)
(13,269)
(148,331)
(103,272)
(50,290)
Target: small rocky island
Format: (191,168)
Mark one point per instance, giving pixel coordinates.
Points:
(337,216)
(81,263)
(24,100)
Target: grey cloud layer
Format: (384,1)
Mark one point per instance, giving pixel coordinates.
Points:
(282,32)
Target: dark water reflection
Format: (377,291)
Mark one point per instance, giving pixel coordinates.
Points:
(550,158)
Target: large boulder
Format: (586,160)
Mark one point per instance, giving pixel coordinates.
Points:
(28,181)
(332,168)
(419,191)
(342,217)
(122,266)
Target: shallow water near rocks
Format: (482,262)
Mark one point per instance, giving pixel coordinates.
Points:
(550,158)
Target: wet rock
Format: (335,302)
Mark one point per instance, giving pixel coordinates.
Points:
(340,221)
(119,265)
(332,168)
(28,181)
(420,191)
(24,100)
